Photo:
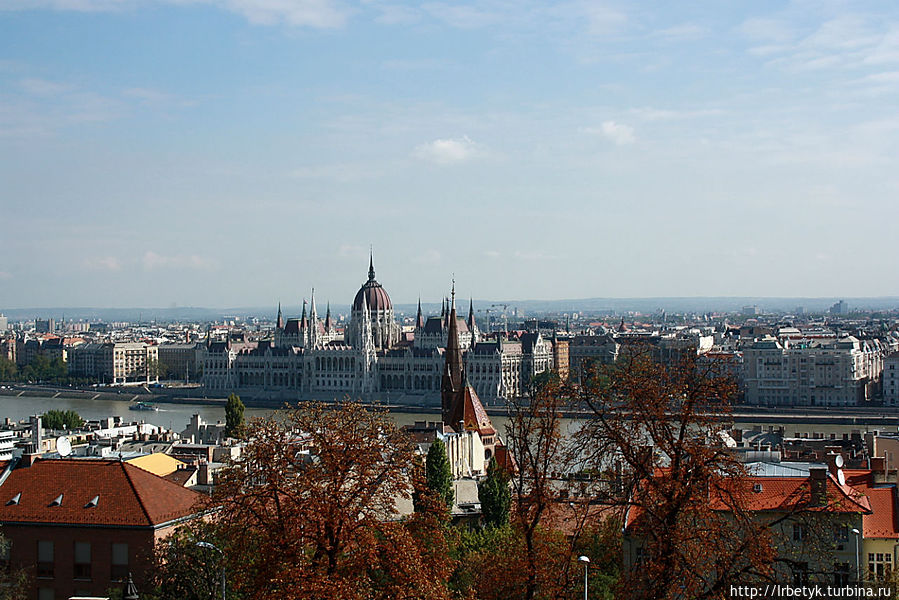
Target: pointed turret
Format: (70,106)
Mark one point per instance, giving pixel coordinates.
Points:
(451,386)
(313,322)
(371,266)
(329,325)
(279,324)
(419,320)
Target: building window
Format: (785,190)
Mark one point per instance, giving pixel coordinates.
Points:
(119,567)
(880,565)
(82,560)
(45,559)
(798,532)
(46,594)
(841,574)
(841,533)
(800,573)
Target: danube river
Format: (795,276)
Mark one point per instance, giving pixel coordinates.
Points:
(170,416)
(176,416)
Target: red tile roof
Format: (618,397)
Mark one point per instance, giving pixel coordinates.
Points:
(882,522)
(127,495)
(473,413)
(784,494)
(789,493)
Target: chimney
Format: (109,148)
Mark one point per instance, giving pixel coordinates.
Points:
(818,479)
(37,432)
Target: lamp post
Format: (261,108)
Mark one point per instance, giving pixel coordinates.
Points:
(858,553)
(586,561)
(209,546)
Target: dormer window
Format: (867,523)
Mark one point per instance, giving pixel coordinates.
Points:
(57,501)
(757,488)
(93,502)
(15,499)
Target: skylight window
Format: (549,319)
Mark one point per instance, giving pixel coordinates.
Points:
(57,501)
(93,502)
(15,499)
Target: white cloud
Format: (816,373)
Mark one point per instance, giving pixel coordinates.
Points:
(603,20)
(310,13)
(4,275)
(307,13)
(460,15)
(660,114)
(618,133)
(682,32)
(428,257)
(351,251)
(104,263)
(447,151)
(42,87)
(153,261)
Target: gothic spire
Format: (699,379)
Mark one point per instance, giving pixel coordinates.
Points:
(371,265)
(419,320)
(328,323)
(451,387)
(280,322)
(470,314)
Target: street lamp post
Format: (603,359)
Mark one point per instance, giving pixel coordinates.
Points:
(586,561)
(222,554)
(858,553)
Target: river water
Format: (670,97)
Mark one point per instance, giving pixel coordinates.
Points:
(170,416)
(176,416)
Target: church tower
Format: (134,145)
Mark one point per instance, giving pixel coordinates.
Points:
(453,376)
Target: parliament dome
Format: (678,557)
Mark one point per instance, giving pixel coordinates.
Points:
(372,293)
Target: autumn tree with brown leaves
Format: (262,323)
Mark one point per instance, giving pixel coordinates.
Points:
(653,432)
(310,510)
(544,457)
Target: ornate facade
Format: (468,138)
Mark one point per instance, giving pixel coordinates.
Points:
(309,357)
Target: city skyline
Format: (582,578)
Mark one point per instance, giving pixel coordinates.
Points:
(236,153)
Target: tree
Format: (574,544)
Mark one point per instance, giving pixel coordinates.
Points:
(61,419)
(495,496)
(439,474)
(185,571)
(8,370)
(310,509)
(679,484)
(234,419)
(14,583)
(540,450)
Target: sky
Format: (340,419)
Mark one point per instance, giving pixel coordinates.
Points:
(239,152)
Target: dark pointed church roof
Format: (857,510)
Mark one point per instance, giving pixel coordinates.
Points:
(471,413)
(451,388)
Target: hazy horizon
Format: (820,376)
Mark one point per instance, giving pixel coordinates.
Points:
(212,153)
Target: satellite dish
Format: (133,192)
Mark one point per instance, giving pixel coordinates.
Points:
(841,477)
(838,461)
(63,446)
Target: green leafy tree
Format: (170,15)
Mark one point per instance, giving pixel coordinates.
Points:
(186,570)
(495,496)
(234,419)
(8,370)
(14,583)
(439,475)
(62,419)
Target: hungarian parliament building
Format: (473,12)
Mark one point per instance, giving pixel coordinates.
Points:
(373,356)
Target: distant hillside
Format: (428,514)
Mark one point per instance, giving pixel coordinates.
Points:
(589,305)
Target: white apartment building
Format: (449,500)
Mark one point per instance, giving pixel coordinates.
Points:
(821,372)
